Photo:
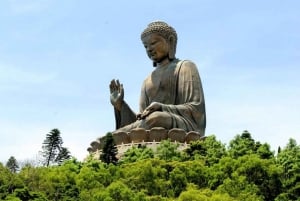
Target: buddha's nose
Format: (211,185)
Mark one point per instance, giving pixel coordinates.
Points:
(149,49)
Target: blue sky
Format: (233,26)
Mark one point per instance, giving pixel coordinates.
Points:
(57,58)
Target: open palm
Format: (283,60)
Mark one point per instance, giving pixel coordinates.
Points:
(116,94)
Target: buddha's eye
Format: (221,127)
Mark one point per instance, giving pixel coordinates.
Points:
(153,43)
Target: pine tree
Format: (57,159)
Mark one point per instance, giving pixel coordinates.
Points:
(53,152)
(242,145)
(289,160)
(64,154)
(12,164)
(109,151)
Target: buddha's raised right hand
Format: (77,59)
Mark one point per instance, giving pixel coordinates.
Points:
(116,94)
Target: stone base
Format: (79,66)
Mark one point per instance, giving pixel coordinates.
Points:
(151,138)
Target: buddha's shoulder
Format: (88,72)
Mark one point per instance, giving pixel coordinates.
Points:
(186,64)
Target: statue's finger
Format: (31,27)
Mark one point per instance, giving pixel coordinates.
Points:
(114,85)
(121,89)
(118,83)
(111,86)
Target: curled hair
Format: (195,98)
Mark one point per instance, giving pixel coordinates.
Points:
(166,31)
(161,28)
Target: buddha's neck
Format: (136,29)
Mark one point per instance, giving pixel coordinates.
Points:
(164,63)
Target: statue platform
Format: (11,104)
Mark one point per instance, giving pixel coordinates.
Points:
(151,138)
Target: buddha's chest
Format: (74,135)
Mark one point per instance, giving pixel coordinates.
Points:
(160,85)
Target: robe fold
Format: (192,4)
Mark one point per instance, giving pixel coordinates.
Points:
(179,89)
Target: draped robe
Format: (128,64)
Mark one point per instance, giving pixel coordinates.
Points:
(178,87)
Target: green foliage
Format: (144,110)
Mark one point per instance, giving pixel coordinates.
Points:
(4,181)
(247,170)
(12,164)
(53,152)
(244,144)
(289,160)
(264,151)
(109,151)
(204,195)
(148,175)
(119,191)
(63,154)
(137,153)
(24,195)
(263,173)
(178,181)
(168,150)
(93,174)
(241,145)
(238,188)
(210,150)
(8,182)
(220,171)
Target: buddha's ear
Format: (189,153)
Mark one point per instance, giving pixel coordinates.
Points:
(172,47)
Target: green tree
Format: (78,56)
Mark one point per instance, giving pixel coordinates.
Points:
(5,187)
(149,175)
(204,195)
(168,150)
(238,188)
(53,152)
(241,145)
(59,182)
(33,177)
(263,150)
(210,150)
(12,164)
(137,153)
(63,154)
(289,160)
(93,175)
(23,194)
(262,173)
(178,181)
(51,183)
(110,150)
(119,191)
(9,182)
(244,144)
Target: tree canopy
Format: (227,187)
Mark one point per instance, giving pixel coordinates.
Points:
(110,150)
(208,170)
(52,150)
(12,164)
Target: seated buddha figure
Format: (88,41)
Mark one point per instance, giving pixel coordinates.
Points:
(172,94)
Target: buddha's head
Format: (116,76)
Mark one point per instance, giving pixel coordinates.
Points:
(159,31)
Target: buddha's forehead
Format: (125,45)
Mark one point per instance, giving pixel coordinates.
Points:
(153,37)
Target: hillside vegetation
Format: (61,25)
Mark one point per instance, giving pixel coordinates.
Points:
(245,169)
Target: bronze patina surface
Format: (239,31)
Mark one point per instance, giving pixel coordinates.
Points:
(171,101)
(171,96)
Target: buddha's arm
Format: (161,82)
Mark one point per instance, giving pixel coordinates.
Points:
(125,116)
(189,97)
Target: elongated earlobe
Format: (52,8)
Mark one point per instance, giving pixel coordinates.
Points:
(172,47)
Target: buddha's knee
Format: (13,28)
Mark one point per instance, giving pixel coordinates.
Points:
(158,119)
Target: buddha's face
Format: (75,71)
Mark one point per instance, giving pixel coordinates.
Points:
(157,48)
